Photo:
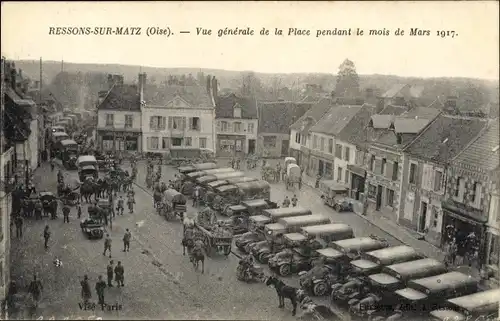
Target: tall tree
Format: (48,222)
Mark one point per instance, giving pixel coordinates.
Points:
(347,80)
(250,84)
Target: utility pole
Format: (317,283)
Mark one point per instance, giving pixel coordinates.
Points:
(62,65)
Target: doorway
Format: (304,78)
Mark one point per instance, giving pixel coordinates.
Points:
(379,198)
(284,147)
(321,165)
(251,146)
(423,217)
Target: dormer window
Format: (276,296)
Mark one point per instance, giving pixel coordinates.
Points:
(237,111)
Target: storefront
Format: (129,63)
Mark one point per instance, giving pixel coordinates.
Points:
(321,164)
(231,145)
(467,226)
(358,176)
(119,141)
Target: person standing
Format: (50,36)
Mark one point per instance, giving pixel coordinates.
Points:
(53,208)
(79,210)
(19,226)
(295,200)
(126,241)
(66,210)
(38,210)
(35,289)
(286,202)
(46,236)
(99,288)
(119,206)
(107,245)
(109,271)
(119,274)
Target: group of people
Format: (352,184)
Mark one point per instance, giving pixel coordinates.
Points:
(118,272)
(294,201)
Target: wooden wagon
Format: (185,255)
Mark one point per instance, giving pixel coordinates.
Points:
(173,204)
(292,175)
(217,236)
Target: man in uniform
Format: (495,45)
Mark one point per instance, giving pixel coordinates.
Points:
(119,274)
(109,271)
(86,293)
(119,207)
(107,245)
(35,289)
(38,210)
(46,236)
(126,240)
(66,210)
(53,209)
(294,200)
(19,226)
(99,288)
(286,202)
(278,172)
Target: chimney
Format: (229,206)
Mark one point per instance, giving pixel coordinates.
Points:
(214,87)
(208,85)
(142,84)
(110,81)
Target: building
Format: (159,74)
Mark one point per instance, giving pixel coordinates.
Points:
(275,119)
(389,132)
(471,201)
(237,124)
(300,130)
(353,137)
(401,95)
(119,118)
(328,157)
(178,116)
(424,180)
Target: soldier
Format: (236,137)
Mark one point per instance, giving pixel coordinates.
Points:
(126,240)
(66,210)
(107,245)
(286,202)
(109,270)
(46,236)
(119,274)
(119,207)
(35,289)
(238,164)
(79,210)
(99,288)
(38,210)
(53,209)
(19,226)
(294,200)
(278,172)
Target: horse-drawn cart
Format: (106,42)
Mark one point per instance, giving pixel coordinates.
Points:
(72,198)
(217,236)
(173,204)
(292,175)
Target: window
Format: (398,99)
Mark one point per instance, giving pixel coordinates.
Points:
(328,170)
(372,162)
(129,121)
(346,177)
(203,142)
(303,140)
(223,126)
(413,173)
(270,141)
(237,112)
(330,145)
(153,143)
(347,154)
(237,127)
(460,189)
(322,144)
(338,151)
(476,196)
(382,168)
(436,216)
(165,142)
(131,143)
(187,141)
(395,169)
(372,191)
(109,119)
(178,123)
(297,137)
(157,122)
(389,197)
(438,176)
(315,142)
(194,124)
(339,174)
(250,128)
(176,141)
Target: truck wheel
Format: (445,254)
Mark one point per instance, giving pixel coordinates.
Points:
(320,289)
(263,258)
(285,270)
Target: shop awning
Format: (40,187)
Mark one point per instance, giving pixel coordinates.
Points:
(356,170)
(467,214)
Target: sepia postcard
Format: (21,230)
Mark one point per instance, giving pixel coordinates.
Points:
(244,160)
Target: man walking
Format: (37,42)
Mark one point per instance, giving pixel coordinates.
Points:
(19,226)
(107,245)
(119,206)
(35,289)
(119,274)
(66,210)
(46,236)
(99,288)
(126,241)
(109,270)
(86,293)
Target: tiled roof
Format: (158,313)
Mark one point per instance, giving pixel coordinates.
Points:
(317,111)
(355,131)
(483,152)
(309,99)
(195,96)
(124,97)
(335,120)
(17,99)
(421,112)
(437,104)
(393,91)
(277,117)
(225,106)
(382,121)
(404,90)
(445,137)
(393,110)
(409,125)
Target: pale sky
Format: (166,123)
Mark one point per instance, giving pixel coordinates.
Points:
(473,53)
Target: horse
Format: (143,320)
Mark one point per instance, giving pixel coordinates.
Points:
(157,198)
(197,255)
(188,223)
(188,240)
(283,291)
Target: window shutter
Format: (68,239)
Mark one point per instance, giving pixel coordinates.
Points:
(170,120)
(190,123)
(151,122)
(163,122)
(184,123)
(378,166)
(148,141)
(389,166)
(218,126)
